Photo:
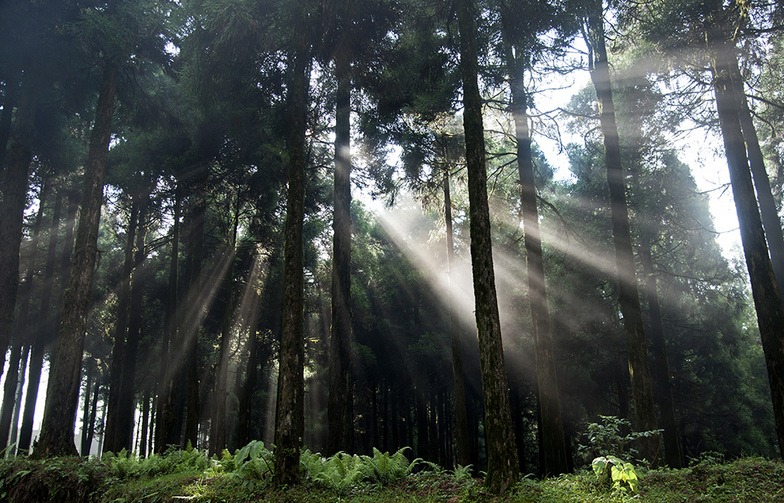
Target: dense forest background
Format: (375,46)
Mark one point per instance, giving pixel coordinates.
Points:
(272,219)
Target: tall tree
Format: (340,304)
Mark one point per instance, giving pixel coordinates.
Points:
(462,456)
(636,343)
(519,49)
(502,463)
(767,298)
(289,411)
(62,393)
(340,420)
(135,34)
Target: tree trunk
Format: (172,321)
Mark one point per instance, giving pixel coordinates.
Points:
(767,298)
(462,456)
(165,417)
(63,391)
(767,204)
(289,415)
(112,443)
(553,440)
(189,327)
(340,418)
(93,416)
(88,386)
(18,401)
(144,429)
(502,463)
(6,118)
(218,427)
(13,192)
(126,396)
(48,312)
(629,299)
(673,455)
(21,333)
(245,406)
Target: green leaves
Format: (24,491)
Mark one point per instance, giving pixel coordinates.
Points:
(254,461)
(342,471)
(622,473)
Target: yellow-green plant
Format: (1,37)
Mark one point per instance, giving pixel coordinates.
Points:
(622,473)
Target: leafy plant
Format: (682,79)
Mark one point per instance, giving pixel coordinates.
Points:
(254,461)
(387,468)
(341,472)
(612,435)
(463,473)
(622,473)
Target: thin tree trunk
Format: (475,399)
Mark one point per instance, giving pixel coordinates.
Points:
(661,368)
(18,401)
(144,429)
(340,417)
(63,390)
(12,204)
(767,204)
(245,406)
(629,299)
(6,118)
(88,385)
(126,395)
(112,443)
(553,440)
(21,333)
(289,415)
(218,427)
(49,312)
(502,463)
(189,328)
(767,298)
(93,417)
(462,456)
(165,417)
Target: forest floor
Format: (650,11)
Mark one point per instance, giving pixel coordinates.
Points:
(188,478)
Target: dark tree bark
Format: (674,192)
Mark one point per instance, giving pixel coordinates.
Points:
(13,192)
(145,426)
(49,312)
(18,400)
(340,417)
(462,455)
(6,118)
(111,442)
(289,415)
(126,396)
(63,391)
(629,298)
(767,298)
(552,438)
(245,406)
(218,427)
(21,335)
(165,415)
(502,463)
(767,204)
(88,442)
(189,327)
(673,454)
(88,386)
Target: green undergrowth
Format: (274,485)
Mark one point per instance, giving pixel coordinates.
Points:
(246,475)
